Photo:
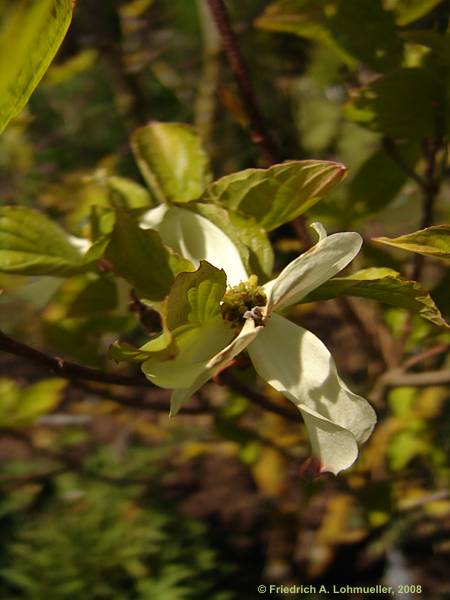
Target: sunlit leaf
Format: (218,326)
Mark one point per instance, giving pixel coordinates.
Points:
(121,351)
(70,68)
(32,244)
(127,193)
(172,161)
(433,241)
(193,300)
(195,297)
(279,194)
(439,44)
(29,40)
(383,285)
(21,407)
(407,11)
(195,345)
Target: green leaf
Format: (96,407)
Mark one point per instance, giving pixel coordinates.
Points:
(439,44)
(432,241)
(406,103)
(29,39)
(247,235)
(407,11)
(194,297)
(126,193)
(383,285)
(190,317)
(140,257)
(21,407)
(195,345)
(32,244)
(172,161)
(121,351)
(97,295)
(278,194)
(380,179)
(102,219)
(356,30)
(193,300)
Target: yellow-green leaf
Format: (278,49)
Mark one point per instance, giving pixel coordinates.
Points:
(172,161)
(279,194)
(32,244)
(432,241)
(195,297)
(30,35)
(21,407)
(407,11)
(384,285)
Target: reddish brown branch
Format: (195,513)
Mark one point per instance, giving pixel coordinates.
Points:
(78,374)
(259,132)
(66,369)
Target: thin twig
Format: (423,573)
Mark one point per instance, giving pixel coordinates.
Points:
(398,378)
(77,374)
(259,132)
(364,334)
(425,355)
(430,189)
(148,317)
(206,98)
(66,369)
(391,150)
(156,399)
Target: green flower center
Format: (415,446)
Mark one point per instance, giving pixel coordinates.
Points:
(247,297)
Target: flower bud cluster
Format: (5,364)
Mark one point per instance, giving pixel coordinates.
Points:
(241,299)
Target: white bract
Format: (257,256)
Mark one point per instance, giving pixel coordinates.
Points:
(291,359)
(196,238)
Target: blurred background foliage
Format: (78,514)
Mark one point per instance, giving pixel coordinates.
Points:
(102,498)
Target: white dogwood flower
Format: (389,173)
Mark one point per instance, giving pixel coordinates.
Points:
(195,238)
(291,359)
